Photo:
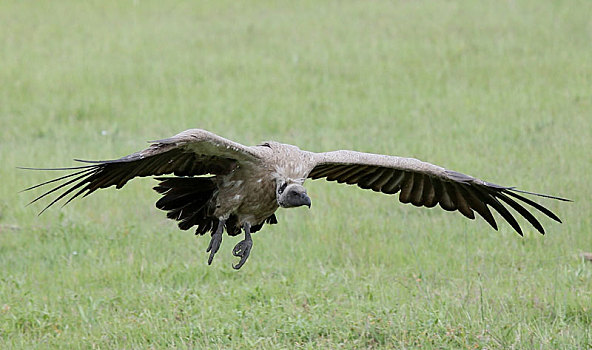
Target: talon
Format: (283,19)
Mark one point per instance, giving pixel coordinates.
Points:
(240,264)
(243,248)
(214,246)
(238,249)
(215,242)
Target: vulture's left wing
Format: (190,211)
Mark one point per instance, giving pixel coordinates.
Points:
(191,152)
(425,184)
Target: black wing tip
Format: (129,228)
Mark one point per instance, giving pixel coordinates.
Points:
(44,209)
(98,162)
(87,170)
(63,168)
(516,228)
(539,194)
(540,230)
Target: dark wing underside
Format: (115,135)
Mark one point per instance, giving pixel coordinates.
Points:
(191,202)
(426,185)
(190,153)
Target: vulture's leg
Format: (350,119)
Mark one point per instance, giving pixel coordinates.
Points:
(215,241)
(243,248)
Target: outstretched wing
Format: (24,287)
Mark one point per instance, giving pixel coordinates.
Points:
(425,184)
(191,152)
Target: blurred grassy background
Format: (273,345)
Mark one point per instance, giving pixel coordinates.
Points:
(501,90)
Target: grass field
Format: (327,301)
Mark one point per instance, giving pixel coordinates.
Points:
(501,90)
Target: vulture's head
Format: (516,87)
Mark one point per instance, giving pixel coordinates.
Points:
(292,195)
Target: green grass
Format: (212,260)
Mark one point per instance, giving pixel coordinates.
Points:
(501,90)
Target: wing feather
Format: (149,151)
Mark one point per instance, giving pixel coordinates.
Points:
(460,201)
(429,192)
(190,153)
(505,213)
(446,202)
(337,173)
(65,184)
(535,204)
(406,188)
(477,204)
(418,188)
(520,209)
(368,182)
(394,184)
(382,180)
(350,177)
(356,178)
(425,184)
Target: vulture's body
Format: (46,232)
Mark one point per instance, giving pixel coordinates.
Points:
(219,184)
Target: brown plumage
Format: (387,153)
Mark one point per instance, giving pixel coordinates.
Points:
(220,184)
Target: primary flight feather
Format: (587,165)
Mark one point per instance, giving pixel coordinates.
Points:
(219,184)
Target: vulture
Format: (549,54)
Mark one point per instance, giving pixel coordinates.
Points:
(215,184)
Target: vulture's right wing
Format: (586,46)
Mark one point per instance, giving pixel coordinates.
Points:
(191,152)
(425,184)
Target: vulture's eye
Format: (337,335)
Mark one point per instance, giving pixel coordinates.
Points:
(282,188)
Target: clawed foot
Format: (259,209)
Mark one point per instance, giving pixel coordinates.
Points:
(215,242)
(242,250)
(214,246)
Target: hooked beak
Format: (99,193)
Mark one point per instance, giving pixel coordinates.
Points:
(306,200)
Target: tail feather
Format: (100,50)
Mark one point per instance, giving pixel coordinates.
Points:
(189,200)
